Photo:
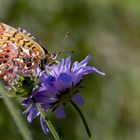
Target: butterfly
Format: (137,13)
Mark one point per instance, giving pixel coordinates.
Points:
(20,53)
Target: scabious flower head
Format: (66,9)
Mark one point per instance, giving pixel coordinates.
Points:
(57,85)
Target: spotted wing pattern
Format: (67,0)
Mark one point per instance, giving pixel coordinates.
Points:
(19,52)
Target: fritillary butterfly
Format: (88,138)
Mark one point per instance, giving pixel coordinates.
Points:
(20,53)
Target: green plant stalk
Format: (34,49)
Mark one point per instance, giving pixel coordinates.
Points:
(48,123)
(83,119)
(14,113)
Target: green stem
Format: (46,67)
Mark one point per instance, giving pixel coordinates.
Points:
(48,123)
(14,113)
(83,119)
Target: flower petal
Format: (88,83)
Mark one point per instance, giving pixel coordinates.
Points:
(65,78)
(78,99)
(26,102)
(59,112)
(37,71)
(43,99)
(85,61)
(33,113)
(44,126)
(97,71)
(44,106)
(67,64)
(27,110)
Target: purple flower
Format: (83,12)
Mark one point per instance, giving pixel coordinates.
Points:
(32,112)
(57,85)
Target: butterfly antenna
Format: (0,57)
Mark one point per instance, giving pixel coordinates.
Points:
(61,45)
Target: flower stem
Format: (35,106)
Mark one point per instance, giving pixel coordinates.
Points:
(14,113)
(83,119)
(48,122)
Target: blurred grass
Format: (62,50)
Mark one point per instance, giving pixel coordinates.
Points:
(108,30)
(15,115)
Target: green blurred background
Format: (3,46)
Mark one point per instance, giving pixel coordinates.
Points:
(109,30)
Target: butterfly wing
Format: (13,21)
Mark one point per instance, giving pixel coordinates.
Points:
(20,37)
(19,52)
